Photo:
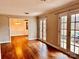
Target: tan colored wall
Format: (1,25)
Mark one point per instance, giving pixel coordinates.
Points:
(4,29)
(32,27)
(52,29)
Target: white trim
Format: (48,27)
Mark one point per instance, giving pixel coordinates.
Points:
(74,11)
(5,42)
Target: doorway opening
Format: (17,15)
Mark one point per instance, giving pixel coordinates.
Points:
(18,28)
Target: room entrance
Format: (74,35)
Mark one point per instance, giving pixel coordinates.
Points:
(18,27)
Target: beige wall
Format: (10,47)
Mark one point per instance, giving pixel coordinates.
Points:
(4,29)
(52,29)
(32,26)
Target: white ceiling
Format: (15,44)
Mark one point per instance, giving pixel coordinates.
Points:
(33,7)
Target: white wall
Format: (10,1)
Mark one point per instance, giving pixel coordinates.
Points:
(4,29)
(32,24)
(17,27)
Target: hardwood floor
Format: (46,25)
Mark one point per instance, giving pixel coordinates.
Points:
(20,48)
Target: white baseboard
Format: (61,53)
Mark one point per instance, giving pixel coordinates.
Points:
(5,42)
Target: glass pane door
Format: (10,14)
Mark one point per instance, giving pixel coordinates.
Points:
(74,45)
(63,31)
(43,29)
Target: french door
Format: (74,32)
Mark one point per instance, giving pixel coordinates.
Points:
(63,31)
(69,32)
(74,44)
(43,29)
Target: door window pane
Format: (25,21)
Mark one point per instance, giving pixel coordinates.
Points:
(63,37)
(64,19)
(62,44)
(77,26)
(72,25)
(72,34)
(65,45)
(77,17)
(44,29)
(76,50)
(72,48)
(64,25)
(77,38)
(73,18)
(77,34)
(40,29)
(63,31)
(72,41)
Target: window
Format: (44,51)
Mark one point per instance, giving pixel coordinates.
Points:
(43,28)
(63,31)
(74,45)
(69,32)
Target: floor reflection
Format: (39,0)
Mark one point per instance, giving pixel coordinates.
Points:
(21,48)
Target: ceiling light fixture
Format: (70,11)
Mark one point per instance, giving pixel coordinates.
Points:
(43,0)
(26,13)
(17,23)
